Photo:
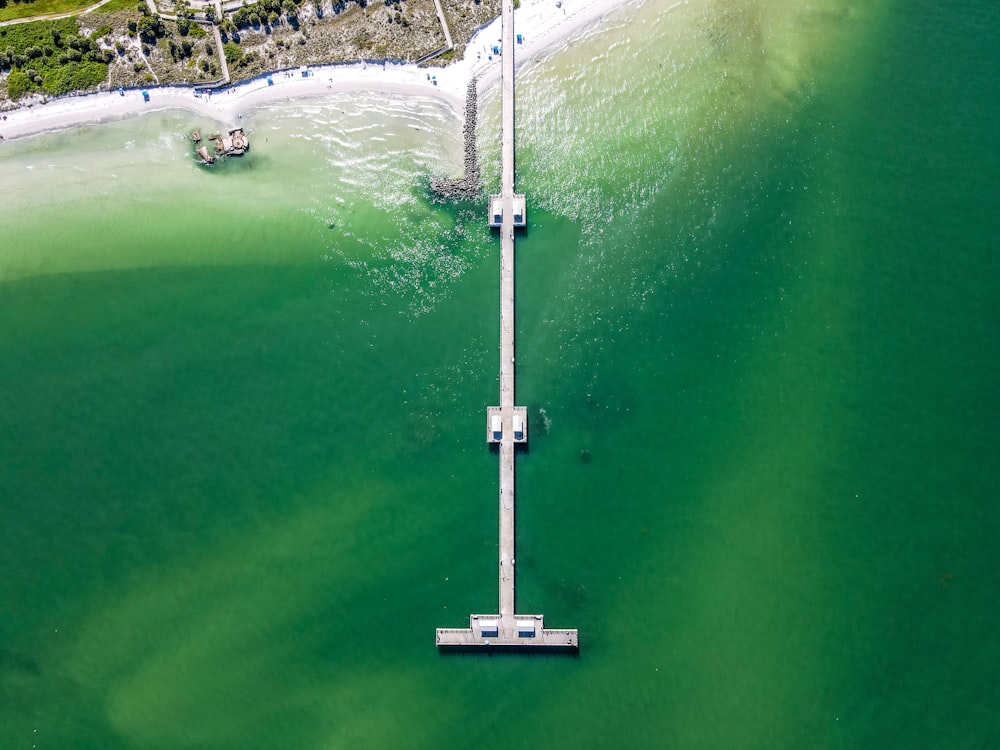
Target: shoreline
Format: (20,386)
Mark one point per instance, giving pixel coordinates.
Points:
(544,27)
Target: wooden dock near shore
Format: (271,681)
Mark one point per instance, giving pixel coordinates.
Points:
(507,424)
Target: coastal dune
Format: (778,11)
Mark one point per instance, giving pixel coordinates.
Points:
(543,23)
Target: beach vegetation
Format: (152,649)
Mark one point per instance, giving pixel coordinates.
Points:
(100,32)
(50,57)
(18,84)
(362,41)
(151,28)
(182,51)
(232,51)
(40,33)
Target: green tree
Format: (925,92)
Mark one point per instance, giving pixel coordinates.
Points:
(151,27)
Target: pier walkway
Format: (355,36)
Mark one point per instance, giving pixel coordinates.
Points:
(507,424)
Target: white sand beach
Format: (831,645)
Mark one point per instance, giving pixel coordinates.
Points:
(543,25)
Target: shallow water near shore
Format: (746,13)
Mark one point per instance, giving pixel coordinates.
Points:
(241,409)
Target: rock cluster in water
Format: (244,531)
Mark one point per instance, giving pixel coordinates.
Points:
(467,187)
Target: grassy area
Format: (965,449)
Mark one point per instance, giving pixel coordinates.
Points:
(11,10)
(116,5)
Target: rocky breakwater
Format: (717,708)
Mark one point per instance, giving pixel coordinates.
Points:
(467,187)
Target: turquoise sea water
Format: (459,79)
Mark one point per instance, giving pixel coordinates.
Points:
(242,476)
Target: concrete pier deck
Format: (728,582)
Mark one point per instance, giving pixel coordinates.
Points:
(506,211)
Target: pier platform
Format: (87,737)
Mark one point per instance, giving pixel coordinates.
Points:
(511,633)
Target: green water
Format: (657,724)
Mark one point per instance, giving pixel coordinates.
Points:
(241,412)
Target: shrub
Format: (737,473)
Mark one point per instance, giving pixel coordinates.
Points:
(18,84)
(103,30)
(74,77)
(233,52)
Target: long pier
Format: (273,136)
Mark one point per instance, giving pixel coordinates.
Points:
(507,424)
